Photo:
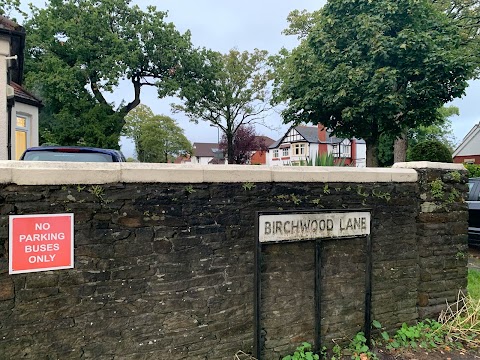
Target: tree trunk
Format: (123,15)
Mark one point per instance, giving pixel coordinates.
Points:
(400,148)
(230,150)
(372,160)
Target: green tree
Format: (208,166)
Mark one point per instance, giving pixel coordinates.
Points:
(441,130)
(372,67)
(133,122)
(8,7)
(430,150)
(78,51)
(233,92)
(157,138)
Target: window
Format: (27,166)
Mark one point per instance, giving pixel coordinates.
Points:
(285,151)
(299,149)
(275,153)
(21,136)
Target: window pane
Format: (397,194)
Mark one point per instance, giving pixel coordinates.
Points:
(21,122)
(20,143)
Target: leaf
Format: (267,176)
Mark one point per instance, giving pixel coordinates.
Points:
(376,324)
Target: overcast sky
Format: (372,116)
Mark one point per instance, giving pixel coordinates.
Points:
(246,25)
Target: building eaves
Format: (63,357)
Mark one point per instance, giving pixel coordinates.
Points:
(23,96)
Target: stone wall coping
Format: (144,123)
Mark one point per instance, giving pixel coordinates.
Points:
(428,165)
(64,173)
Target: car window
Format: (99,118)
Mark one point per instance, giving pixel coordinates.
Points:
(474,190)
(67,156)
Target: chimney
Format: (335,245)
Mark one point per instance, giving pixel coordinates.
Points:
(322,132)
(322,137)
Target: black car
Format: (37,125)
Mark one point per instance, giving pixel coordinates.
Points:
(72,153)
(474,212)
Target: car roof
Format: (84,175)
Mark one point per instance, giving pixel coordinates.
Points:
(116,155)
(78,148)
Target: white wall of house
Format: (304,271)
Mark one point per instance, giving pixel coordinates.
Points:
(4,52)
(471,143)
(203,160)
(28,114)
(361,160)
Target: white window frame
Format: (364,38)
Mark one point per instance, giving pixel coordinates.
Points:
(285,152)
(299,149)
(26,129)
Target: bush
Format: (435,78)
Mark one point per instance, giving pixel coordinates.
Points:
(430,150)
(473,170)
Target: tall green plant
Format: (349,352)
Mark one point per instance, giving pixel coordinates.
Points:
(325,159)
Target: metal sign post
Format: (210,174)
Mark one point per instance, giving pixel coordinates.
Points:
(295,226)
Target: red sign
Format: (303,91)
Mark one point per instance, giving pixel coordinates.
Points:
(40,243)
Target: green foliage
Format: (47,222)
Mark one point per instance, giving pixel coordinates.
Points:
(8,7)
(78,51)
(405,62)
(189,189)
(302,352)
(232,92)
(325,159)
(473,170)
(441,130)
(437,189)
(157,138)
(474,284)
(455,176)
(430,150)
(358,346)
(426,335)
(248,186)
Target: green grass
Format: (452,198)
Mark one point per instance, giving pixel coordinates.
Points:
(474,284)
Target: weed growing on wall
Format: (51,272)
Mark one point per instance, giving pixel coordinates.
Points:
(248,186)
(304,351)
(437,189)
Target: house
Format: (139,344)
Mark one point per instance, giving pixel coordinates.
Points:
(469,149)
(259,157)
(303,143)
(207,153)
(18,108)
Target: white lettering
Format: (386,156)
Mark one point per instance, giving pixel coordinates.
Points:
(42,226)
(41,258)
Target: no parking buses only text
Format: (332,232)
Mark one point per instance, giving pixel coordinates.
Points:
(40,242)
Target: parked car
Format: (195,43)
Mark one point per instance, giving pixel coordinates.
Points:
(474,212)
(72,153)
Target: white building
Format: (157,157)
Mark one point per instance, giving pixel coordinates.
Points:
(18,108)
(303,143)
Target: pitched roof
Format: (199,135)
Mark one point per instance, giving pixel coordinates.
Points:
(310,133)
(24,96)
(265,139)
(10,25)
(471,136)
(205,149)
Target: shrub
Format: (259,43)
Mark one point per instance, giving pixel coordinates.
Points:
(473,170)
(430,150)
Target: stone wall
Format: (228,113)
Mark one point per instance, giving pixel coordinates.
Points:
(164,258)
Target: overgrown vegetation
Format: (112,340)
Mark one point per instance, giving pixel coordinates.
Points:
(458,327)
